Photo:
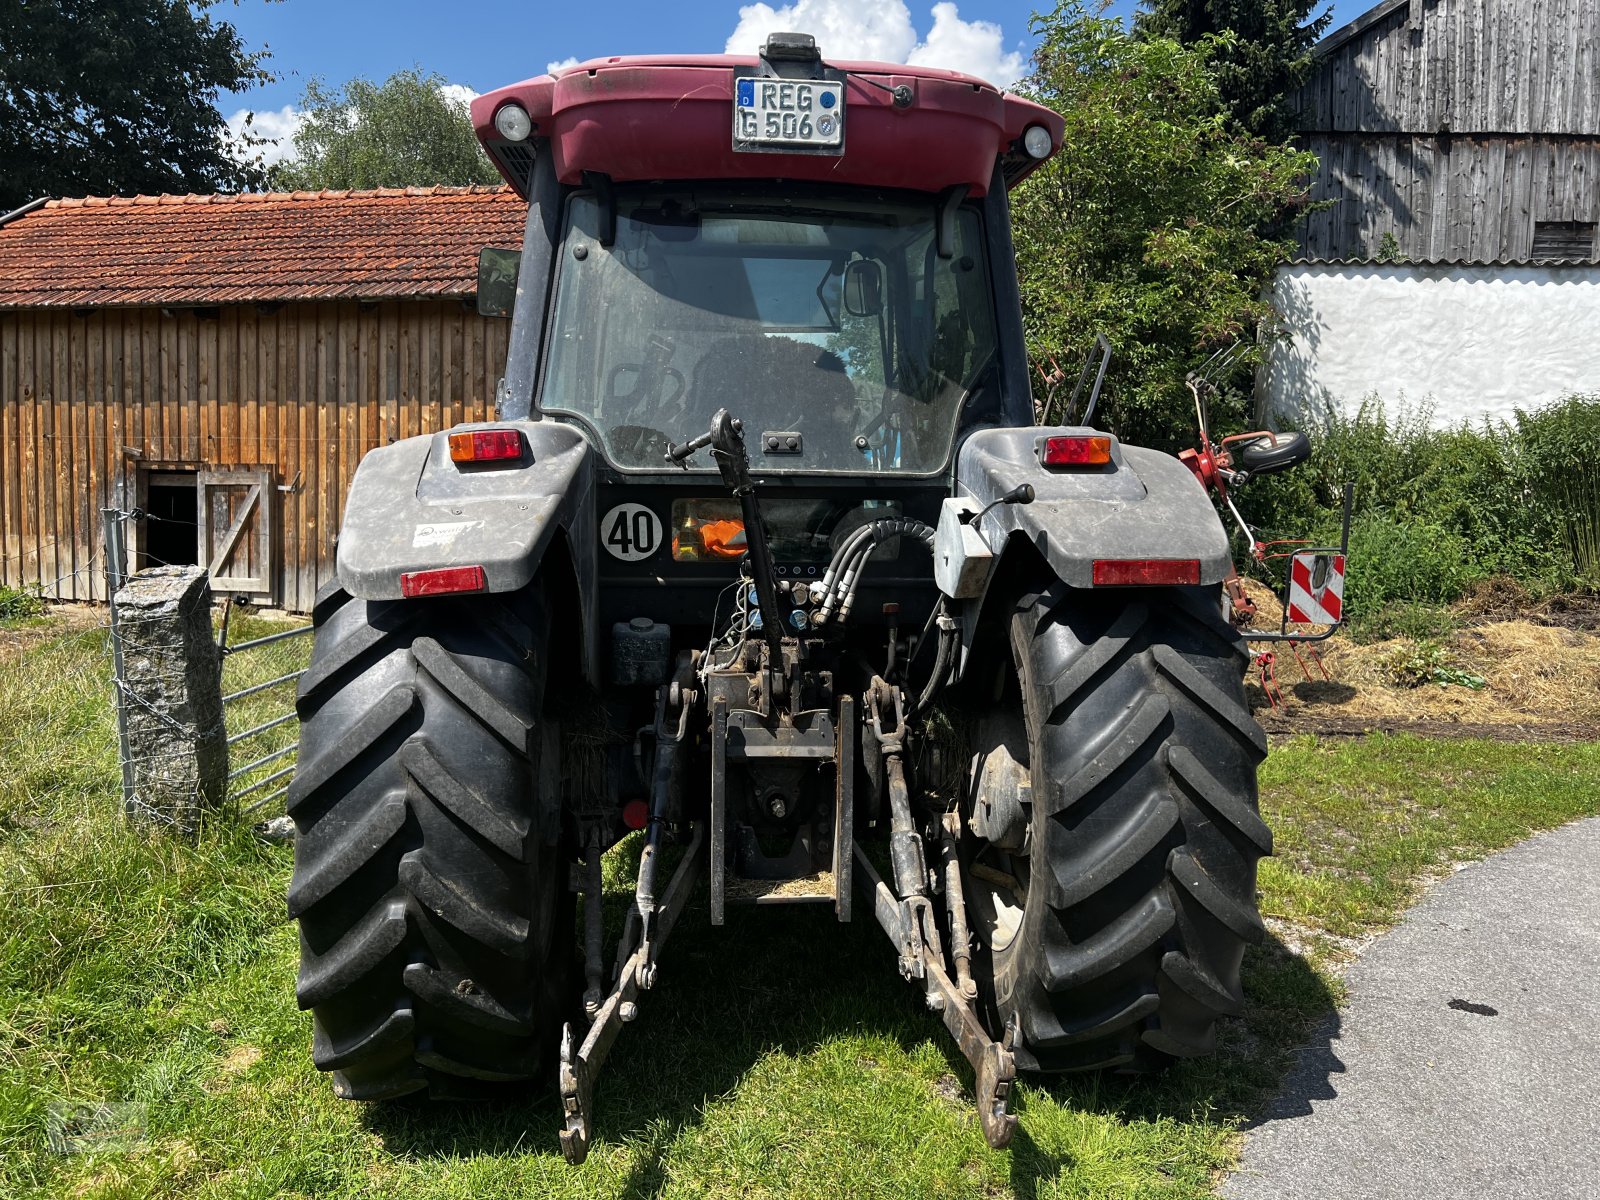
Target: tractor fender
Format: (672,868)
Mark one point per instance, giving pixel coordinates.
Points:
(1143,504)
(411,508)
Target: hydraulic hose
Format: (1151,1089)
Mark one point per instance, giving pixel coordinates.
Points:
(883,530)
(843,576)
(944,660)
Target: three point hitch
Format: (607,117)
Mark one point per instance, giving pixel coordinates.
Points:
(932,953)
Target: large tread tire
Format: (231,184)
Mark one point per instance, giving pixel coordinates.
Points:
(1144,830)
(430,879)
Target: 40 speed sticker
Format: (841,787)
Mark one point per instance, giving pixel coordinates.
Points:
(630,532)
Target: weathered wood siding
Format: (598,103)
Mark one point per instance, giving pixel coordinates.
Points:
(1452,199)
(1468,66)
(87,401)
(1455,126)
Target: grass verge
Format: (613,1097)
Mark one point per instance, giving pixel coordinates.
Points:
(781,1055)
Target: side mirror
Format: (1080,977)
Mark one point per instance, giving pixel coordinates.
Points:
(497,281)
(863,288)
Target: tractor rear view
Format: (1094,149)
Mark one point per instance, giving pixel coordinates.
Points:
(765,557)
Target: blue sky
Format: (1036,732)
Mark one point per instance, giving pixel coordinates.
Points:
(484,44)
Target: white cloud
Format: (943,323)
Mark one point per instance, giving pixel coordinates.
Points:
(883,30)
(976,47)
(458,94)
(277,127)
(561,64)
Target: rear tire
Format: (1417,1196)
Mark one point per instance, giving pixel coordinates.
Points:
(1121,944)
(430,879)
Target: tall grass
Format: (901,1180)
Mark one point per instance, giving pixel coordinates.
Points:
(1560,449)
(1437,510)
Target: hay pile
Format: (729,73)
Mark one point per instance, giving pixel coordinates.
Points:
(1539,668)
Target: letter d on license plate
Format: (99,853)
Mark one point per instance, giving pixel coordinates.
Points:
(788,114)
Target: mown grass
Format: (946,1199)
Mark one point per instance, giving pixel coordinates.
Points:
(781,1055)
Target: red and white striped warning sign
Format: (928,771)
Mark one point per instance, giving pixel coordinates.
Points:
(1316,588)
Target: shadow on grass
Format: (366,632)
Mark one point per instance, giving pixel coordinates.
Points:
(782,979)
(786,980)
(1286,1035)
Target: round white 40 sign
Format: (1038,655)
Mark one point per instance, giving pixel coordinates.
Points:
(630,532)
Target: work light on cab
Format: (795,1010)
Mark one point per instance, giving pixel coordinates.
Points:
(486,445)
(514,123)
(1037,142)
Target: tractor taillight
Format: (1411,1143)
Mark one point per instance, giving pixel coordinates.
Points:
(1145,572)
(1075,451)
(443,581)
(486,445)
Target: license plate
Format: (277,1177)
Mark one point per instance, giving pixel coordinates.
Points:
(788,112)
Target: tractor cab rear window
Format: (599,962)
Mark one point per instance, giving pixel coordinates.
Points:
(837,324)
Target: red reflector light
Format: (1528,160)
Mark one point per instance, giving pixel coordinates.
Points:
(1145,572)
(443,581)
(486,445)
(635,814)
(1075,451)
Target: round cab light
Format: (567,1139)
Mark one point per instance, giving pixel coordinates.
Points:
(515,125)
(1035,140)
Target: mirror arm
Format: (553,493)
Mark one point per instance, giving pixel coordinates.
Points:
(949,204)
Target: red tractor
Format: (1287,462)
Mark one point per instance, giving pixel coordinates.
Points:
(765,556)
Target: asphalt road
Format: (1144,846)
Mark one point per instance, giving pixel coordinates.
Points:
(1467,1062)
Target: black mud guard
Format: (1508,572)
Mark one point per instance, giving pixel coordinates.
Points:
(411,508)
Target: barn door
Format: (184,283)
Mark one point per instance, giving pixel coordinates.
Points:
(236,530)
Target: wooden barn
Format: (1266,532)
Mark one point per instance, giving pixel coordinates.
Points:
(1452,263)
(221,364)
(1457,130)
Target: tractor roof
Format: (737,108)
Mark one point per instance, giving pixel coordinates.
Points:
(642,118)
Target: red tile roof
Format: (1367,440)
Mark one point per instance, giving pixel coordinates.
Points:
(205,250)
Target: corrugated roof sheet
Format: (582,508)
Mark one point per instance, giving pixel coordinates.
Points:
(1465,264)
(390,243)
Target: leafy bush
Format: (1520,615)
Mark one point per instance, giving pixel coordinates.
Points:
(1157,224)
(1437,510)
(1429,662)
(18,605)
(1393,560)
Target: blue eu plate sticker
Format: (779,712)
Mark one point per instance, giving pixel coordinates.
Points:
(747,93)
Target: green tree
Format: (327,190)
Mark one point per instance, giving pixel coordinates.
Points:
(1147,225)
(406,132)
(1263,55)
(107,97)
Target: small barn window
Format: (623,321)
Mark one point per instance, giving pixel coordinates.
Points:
(171,534)
(1564,240)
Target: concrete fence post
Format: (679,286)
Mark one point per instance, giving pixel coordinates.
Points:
(171,685)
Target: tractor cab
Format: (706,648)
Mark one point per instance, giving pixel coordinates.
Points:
(822,249)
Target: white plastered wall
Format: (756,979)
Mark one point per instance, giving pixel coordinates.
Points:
(1471,341)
